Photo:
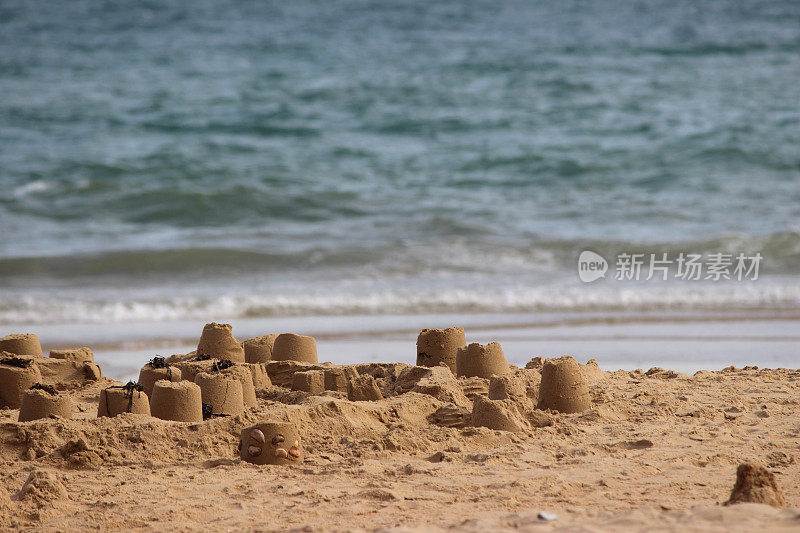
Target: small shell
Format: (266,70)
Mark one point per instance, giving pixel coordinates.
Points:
(294,452)
(280,452)
(254,451)
(297,444)
(258,435)
(277,439)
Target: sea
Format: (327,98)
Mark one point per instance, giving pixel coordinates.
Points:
(344,168)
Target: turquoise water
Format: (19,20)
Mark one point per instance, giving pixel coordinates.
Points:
(173,160)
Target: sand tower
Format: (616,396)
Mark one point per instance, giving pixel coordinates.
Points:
(118,399)
(21,344)
(364,388)
(563,387)
(259,349)
(80,355)
(218,342)
(271,443)
(179,401)
(222,394)
(42,401)
(16,376)
(292,347)
(477,360)
(189,369)
(245,377)
(157,369)
(756,484)
(439,346)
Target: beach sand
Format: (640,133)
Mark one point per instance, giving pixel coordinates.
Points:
(658,449)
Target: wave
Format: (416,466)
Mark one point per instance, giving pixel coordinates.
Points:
(451,253)
(379,299)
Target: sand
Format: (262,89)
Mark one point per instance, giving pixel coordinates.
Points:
(656,450)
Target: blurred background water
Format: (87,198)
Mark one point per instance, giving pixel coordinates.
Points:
(193,160)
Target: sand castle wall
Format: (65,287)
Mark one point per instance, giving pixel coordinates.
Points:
(311,381)
(80,355)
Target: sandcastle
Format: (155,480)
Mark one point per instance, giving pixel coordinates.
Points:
(222,394)
(292,347)
(119,399)
(179,401)
(157,369)
(21,344)
(756,484)
(440,346)
(259,349)
(16,376)
(42,401)
(311,381)
(477,360)
(363,388)
(80,355)
(217,341)
(271,443)
(563,387)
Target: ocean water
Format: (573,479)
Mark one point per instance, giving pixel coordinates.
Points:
(171,161)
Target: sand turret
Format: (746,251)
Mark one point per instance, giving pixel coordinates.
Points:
(218,341)
(222,393)
(157,369)
(477,360)
(259,349)
(363,388)
(292,347)
(21,344)
(311,381)
(179,401)
(439,346)
(17,375)
(42,401)
(563,387)
(119,399)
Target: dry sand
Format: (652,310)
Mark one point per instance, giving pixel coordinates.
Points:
(657,450)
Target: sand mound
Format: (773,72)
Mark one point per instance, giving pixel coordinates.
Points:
(756,484)
(496,414)
(439,346)
(363,388)
(217,341)
(42,487)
